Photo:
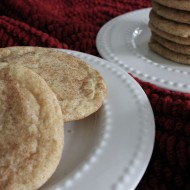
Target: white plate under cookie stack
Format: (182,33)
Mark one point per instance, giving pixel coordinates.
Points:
(170,27)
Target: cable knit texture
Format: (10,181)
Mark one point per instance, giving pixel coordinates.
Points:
(73,24)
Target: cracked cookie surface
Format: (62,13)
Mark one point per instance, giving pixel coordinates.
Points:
(80,89)
(31,129)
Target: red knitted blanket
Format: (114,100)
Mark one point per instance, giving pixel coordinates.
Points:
(74,24)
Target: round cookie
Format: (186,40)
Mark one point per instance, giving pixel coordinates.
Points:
(176,4)
(31,129)
(173,38)
(178,48)
(80,89)
(171,14)
(168,26)
(164,52)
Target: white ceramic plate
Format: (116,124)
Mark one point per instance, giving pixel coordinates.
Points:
(109,150)
(124,41)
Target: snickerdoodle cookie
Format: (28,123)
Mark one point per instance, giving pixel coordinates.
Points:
(165,52)
(171,37)
(80,89)
(168,26)
(176,4)
(171,14)
(31,129)
(178,48)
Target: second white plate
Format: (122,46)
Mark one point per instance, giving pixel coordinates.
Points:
(124,41)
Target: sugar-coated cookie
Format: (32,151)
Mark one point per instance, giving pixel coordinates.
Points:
(80,89)
(31,129)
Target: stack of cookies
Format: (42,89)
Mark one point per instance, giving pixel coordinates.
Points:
(170,27)
(40,89)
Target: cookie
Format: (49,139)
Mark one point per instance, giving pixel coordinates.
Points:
(168,54)
(176,4)
(80,89)
(31,129)
(178,48)
(173,38)
(171,14)
(168,26)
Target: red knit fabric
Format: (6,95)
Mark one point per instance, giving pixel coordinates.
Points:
(74,24)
